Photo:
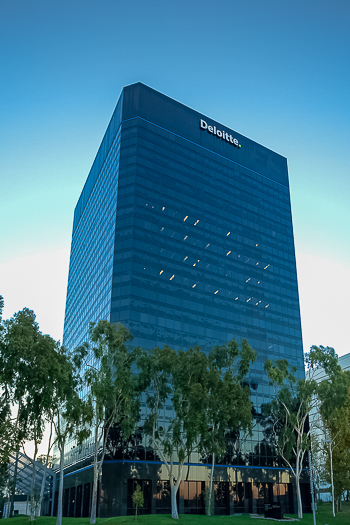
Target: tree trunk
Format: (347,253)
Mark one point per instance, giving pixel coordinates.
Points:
(331,453)
(60,490)
(174,513)
(14,484)
(44,473)
(98,468)
(211,485)
(174,488)
(95,482)
(16,466)
(300,506)
(33,502)
(32,506)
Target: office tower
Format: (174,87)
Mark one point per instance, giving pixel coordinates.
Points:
(183,232)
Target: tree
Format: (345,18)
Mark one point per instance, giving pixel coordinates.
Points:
(180,379)
(332,418)
(16,338)
(287,417)
(108,364)
(38,379)
(44,389)
(229,408)
(137,499)
(26,384)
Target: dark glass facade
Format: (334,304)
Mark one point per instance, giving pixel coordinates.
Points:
(183,232)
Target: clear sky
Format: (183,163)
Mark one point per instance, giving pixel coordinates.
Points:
(277,72)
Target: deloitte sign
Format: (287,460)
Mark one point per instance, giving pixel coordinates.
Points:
(218,133)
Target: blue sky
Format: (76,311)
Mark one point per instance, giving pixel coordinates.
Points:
(277,72)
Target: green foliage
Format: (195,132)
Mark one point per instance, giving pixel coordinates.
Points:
(69,413)
(333,399)
(227,399)
(179,379)
(7,435)
(288,411)
(279,372)
(30,366)
(37,380)
(112,383)
(137,499)
(337,424)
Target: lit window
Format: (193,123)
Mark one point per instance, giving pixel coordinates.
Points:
(259,282)
(161,271)
(236,298)
(185,219)
(228,234)
(208,245)
(248,300)
(266,267)
(198,260)
(163,208)
(194,264)
(256,304)
(162,229)
(256,264)
(194,286)
(172,277)
(186,258)
(228,253)
(197,221)
(248,279)
(186,237)
(216,292)
(267,306)
(256,245)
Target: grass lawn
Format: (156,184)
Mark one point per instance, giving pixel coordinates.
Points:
(323,517)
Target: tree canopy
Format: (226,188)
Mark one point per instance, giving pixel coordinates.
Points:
(37,385)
